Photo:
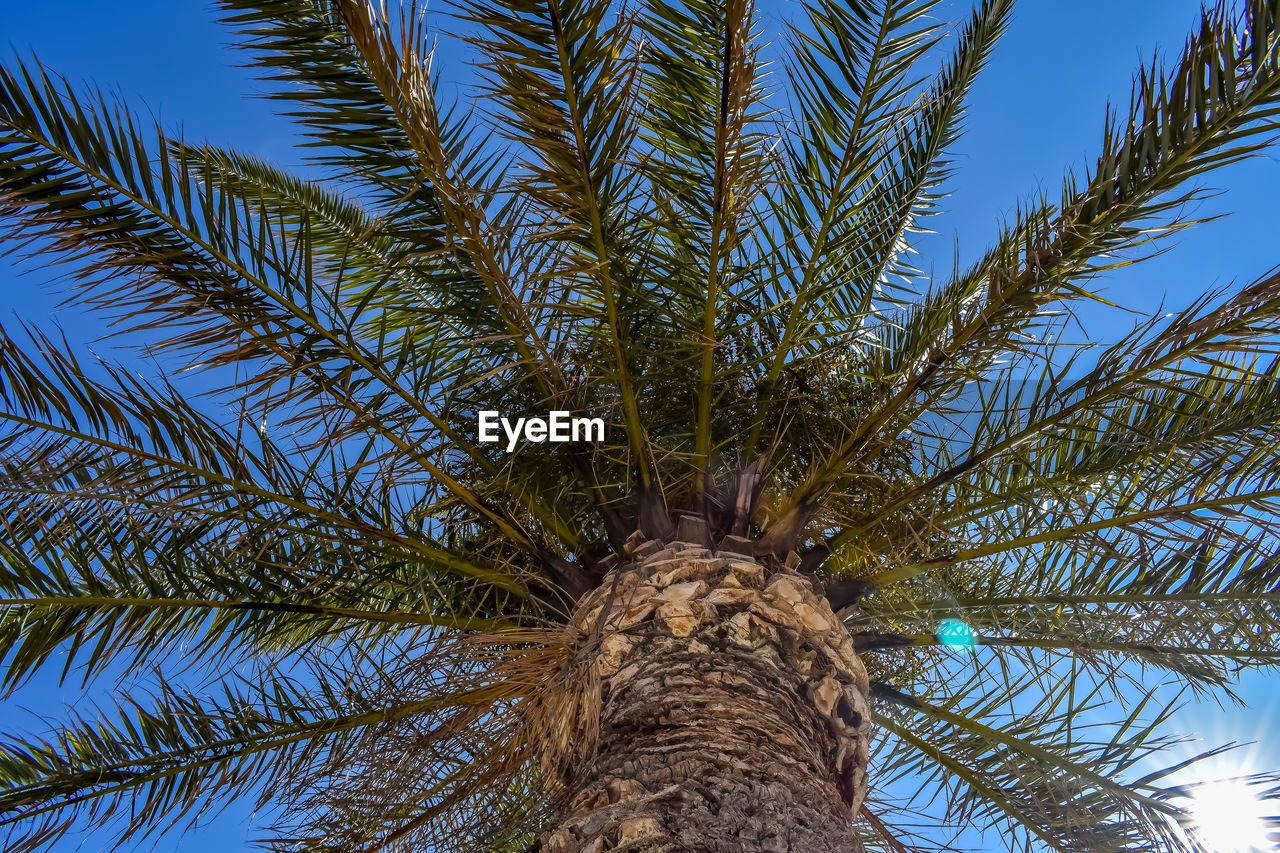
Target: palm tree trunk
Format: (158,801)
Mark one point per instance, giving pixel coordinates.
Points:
(733,717)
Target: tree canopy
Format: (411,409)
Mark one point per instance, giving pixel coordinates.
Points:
(665,215)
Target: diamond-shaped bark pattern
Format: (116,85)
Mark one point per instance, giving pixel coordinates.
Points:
(734,710)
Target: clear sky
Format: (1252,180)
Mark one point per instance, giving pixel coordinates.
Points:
(1037,110)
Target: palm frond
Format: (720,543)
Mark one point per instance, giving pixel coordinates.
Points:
(1210,109)
(304,47)
(207,254)
(562,75)
(1151,398)
(154,766)
(1040,768)
(850,71)
(705,94)
(50,395)
(1202,612)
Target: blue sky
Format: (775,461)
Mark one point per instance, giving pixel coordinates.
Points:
(1037,110)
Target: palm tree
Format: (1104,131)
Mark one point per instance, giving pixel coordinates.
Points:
(847,523)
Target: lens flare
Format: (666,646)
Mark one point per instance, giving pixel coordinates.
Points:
(955,634)
(1229,817)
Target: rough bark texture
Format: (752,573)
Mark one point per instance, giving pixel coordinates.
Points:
(734,712)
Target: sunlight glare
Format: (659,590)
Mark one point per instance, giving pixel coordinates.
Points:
(1229,818)
(955,634)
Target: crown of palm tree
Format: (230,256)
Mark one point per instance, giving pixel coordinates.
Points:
(654,215)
